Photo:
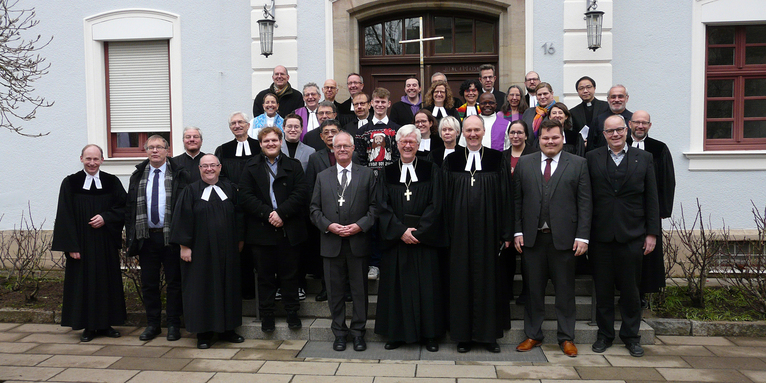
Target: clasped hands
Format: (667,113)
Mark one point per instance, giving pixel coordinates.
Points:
(344,230)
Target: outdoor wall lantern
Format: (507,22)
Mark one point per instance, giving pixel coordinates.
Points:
(593,19)
(266,29)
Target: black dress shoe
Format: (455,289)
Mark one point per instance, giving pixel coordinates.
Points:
(88,335)
(150,333)
(322,296)
(635,349)
(231,337)
(493,347)
(339,344)
(110,332)
(601,345)
(293,322)
(359,343)
(268,324)
(432,345)
(174,333)
(204,340)
(463,347)
(393,345)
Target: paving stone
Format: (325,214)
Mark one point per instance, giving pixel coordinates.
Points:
(536,372)
(8,326)
(266,354)
(51,338)
(171,376)
(695,340)
(624,373)
(376,369)
(389,379)
(331,379)
(292,345)
(299,368)
(90,361)
(140,351)
(95,375)
(739,363)
(44,328)
(253,343)
(471,380)
(447,371)
(22,359)
(225,377)
(646,361)
(15,347)
(702,375)
(560,359)
(660,350)
(580,381)
(224,365)
(757,352)
(755,376)
(162,341)
(195,353)
(11,336)
(121,341)
(748,341)
(65,349)
(28,373)
(156,364)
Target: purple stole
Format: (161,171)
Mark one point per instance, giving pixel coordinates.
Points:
(304,113)
(498,131)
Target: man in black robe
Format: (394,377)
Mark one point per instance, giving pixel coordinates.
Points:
(205,226)
(617,97)
(410,301)
(590,107)
(189,159)
(479,215)
(653,270)
(233,156)
(88,229)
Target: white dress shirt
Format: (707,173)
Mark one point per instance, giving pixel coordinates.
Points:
(160,195)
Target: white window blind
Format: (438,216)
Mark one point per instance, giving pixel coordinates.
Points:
(139,86)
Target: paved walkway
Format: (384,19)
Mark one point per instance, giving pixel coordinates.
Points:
(43,352)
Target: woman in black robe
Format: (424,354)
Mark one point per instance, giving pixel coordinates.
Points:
(205,226)
(88,229)
(410,299)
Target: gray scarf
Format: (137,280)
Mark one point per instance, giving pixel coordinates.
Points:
(142,220)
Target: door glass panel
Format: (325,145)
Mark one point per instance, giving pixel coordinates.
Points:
(720,88)
(719,129)
(720,56)
(443,27)
(411,32)
(393,30)
(755,55)
(463,35)
(754,129)
(719,109)
(720,35)
(755,108)
(755,34)
(485,37)
(373,40)
(755,87)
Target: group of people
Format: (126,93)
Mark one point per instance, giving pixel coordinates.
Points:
(433,195)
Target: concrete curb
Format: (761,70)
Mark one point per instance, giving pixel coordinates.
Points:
(686,327)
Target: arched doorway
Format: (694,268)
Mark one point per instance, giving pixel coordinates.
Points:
(470,40)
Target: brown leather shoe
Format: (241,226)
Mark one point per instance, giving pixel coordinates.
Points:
(528,345)
(569,348)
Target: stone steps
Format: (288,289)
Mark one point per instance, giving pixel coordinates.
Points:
(318,329)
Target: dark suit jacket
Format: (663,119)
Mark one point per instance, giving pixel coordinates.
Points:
(596,133)
(628,211)
(499,97)
(570,200)
(359,208)
(401,113)
(291,191)
(578,113)
(302,152)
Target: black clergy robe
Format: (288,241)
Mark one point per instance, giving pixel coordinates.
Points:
(410,296)
(231,165)
(93,295)
(653,270)
(479,219)
(190,164)
(211,281)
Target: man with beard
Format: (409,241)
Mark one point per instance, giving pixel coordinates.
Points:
(206,227)
(618,102)
(531,81)
(403,111)
(288,98)
(189,159)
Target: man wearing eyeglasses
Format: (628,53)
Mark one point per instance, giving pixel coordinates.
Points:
(531,81)
(617,97)
(330,90)
(154,187)
(624,228)
(355,84)
(487,76)
(590,106)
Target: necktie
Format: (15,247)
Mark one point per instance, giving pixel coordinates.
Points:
(155,197)
(547,173)
(344,177)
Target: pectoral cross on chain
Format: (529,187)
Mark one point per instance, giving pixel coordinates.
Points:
(341,200)
(472,180)
(407,194)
